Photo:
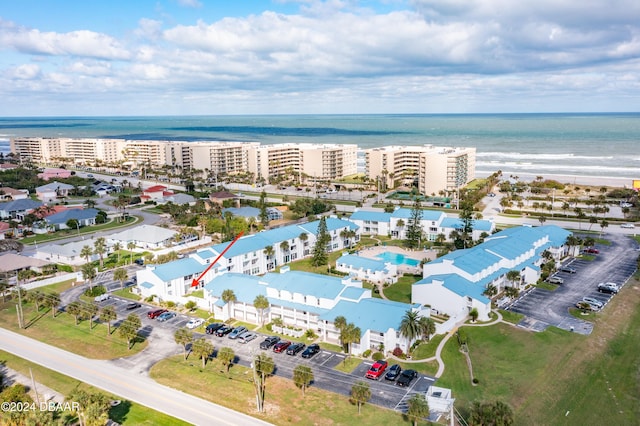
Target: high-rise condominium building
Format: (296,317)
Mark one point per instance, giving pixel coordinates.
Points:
(434,168)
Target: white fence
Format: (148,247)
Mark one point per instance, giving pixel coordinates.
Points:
(76,276)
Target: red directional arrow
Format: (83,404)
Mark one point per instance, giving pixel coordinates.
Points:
(196,281)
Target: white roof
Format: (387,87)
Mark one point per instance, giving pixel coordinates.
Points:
(144,233)
(67,250)
(11,262)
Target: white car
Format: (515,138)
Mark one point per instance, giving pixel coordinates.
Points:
(627,225)
(195,322)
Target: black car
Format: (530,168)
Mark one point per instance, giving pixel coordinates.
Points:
(212,328)
(295,348)
(567,269)
(224,330)
(406,377)
(393,372)
(139,262)
(269,341)
(133,305)
(311,350)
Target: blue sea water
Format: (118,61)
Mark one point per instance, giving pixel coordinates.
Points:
(599,145)
(397,259)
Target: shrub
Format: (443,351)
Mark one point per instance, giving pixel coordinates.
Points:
(95,291)
(398,353)
(171,304)
(269,327)
(377,356)
(149,299)
(190,305)
(366,353)
(310,334)
(475,381)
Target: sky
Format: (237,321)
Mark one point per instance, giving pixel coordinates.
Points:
(219,57)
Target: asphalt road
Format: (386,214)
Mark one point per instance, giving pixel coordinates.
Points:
(119,381)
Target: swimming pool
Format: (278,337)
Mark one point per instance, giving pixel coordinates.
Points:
(397,259)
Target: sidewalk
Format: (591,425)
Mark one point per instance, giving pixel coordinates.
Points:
(45,394)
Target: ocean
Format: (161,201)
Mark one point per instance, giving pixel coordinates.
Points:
(597,145)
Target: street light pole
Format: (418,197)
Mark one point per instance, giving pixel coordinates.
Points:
(78,226)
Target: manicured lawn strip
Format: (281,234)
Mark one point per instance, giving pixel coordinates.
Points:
(427,349)
(62,333)
(126,294)
(586,316)
(284,403)
(112,224)
(547,286)
(347,365)
(126,413)
(429,368)
(512,317)
(305,264)
(401,291)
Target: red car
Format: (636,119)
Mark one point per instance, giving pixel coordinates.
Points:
(155,314)
(592,250)
(281,346)
(377,370)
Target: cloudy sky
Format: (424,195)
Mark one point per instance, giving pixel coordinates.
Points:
(186,57)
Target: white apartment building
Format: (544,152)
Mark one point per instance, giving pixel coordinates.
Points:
(436,168)
(78,150)
(218,157)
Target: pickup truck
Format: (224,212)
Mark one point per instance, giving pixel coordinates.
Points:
(377,370)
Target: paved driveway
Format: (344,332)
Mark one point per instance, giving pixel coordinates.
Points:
(542,308)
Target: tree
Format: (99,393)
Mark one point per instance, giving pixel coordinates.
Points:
(202,348)
(320,256)
(90,203)
(73,224)
(86,252)
(88,272)
(427,327)
(350,334)
(226,357)
(340,322)
(183,337)
(360,393)
(418,408)
(117,247)
(603,224)
(490,413)
(107,315)
(466,216)
(262,204)
(190,305)
(4,286)
(120,274)
(228,296)
(129,329)
(513,276)
(52,300)
(91,309)
(491,290)
(414,230)
(75,309)
(302,377)
(474,314)
(35,296)
(261,303)
(130,246)
(100,248)
(263,367)
(94,407)
(410,326)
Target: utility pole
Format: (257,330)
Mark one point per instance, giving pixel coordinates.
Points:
(19,305)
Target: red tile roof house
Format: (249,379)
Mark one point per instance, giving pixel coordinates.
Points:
(4,228)
(155,193)
(54,173)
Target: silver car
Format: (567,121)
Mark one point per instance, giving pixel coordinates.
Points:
(593,302)
(247,336)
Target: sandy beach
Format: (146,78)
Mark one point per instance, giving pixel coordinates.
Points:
(574,180)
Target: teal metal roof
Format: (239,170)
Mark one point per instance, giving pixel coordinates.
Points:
(370,314)
(320,286)
(362,262)
(245,287)
(178,269)
(371,216)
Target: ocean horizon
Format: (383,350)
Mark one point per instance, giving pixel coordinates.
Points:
(563,144)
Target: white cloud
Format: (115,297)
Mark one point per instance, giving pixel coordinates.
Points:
(25,72)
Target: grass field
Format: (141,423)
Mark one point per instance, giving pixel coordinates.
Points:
(401,291)
(126,413)
(284,403)
(556,377)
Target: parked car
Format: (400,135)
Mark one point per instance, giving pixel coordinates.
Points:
(393,372)
(224,330)
(567,269)
(102,297)
(236,332)
(610,288)
(311,350)
(295,348)
(247,336)
(593,302)
(586,306)
(269,341)
(592,250)
(195,322)
(156,313)
(133,305)
(406,378)
(281,346)
(627,225)
(166,316)
(139,261)
(555,280)
(377,370)
(212,328)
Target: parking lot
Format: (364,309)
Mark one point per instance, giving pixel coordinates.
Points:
(542,308)
(383,392)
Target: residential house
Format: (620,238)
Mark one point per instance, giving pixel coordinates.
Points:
(247,212)
(52,191)
(9,194)
(367,269)
(144,237)
(5,228)
(180,199)
(68,254)
(52,173)
(155,193)
(11,263)
(17,209)
(456,282)
(84,217)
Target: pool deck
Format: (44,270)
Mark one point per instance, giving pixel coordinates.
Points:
(373,252)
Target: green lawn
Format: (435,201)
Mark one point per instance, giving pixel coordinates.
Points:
(348,364)
(126,413)
(82,231)
(547,286)
(126,293)
(427,349)
(284,403)
(512,317)
(401,291)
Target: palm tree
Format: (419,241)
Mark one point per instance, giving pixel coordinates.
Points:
(120,274)
(261,303)
(117,247)
(409,326)
(107,315)
(268,251)
(360,393)
(302,377)
(35,296)
(226,357)
(130,246)
(183,337)
(263,367)
(100,248)
(52,300)
(418,408)
(86,253)
(603,225)
(513,276)
(129,329)
(494,413)
(340,322)
(3,288)
(427,327)
(202,348)
(88,272)
(228,296)
(91,309)
(350,334)
(74,309)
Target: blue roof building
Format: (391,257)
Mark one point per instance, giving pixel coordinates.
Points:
(368,269)
(17,209)
(85,217)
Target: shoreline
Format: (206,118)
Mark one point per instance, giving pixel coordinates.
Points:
(616,182)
